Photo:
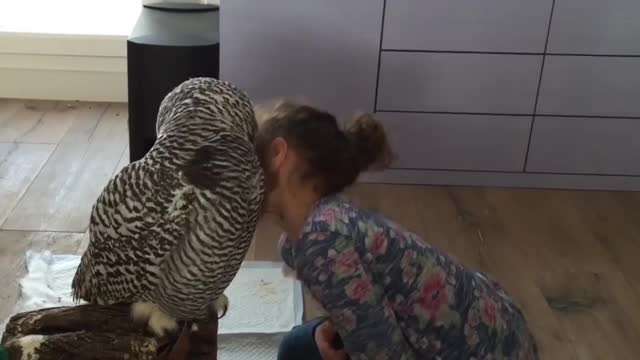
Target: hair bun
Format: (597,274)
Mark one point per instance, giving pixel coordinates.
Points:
(370,143)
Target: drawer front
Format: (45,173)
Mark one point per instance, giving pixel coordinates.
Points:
(317,50)
(590,86)
(585,146)
(458,142)
(595,27)
(467,25)
(476,83)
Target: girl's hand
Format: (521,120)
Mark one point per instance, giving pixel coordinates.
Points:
(325,336)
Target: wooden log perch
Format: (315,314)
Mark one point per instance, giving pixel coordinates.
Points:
(97,332)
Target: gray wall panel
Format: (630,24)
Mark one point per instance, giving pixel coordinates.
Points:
(323,51)
(481,83)
(590,86)
(596,27)
(459,142)
(467,25)
(585,146)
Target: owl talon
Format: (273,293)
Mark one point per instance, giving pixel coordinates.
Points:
(221,305)
(158,322)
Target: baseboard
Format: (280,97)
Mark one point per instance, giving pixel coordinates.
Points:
(497,179)
(63,67)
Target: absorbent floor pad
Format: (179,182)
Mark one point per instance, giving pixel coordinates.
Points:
(264,303)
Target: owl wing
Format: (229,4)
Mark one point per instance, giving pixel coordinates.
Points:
(218,212)
(130,234)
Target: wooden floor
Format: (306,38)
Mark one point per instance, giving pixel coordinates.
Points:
(570,259)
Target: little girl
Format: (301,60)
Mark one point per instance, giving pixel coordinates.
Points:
(389,294)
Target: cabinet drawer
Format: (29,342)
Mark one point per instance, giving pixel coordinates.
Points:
(595,27)
(318,50)
(458,142)
(585,146)
(440,82)
(590,86)
(467,25)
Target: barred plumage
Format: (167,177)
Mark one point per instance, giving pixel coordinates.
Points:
(173,228)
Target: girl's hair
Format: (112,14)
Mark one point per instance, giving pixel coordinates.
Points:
(333,156)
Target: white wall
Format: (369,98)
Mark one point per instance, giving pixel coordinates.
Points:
(66,50)
(63,67)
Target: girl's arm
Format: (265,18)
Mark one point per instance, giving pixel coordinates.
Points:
(329,266)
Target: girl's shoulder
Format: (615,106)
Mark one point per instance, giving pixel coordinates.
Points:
(332,213)
(338,213)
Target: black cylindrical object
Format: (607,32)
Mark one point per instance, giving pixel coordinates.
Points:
(165,49)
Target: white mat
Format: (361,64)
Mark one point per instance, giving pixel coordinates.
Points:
(263,302)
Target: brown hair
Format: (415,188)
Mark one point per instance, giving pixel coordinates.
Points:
(335,157)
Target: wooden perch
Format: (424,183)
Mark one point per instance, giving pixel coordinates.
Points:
(99,332)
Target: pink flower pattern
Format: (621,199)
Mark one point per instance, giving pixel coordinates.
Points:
(489,312)
(359,289)
(433,295)
(378,243)
(329,215)
(395,297)
(347,262)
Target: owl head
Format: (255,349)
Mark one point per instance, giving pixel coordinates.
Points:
(206,101)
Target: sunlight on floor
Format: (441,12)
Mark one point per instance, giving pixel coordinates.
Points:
(73,17)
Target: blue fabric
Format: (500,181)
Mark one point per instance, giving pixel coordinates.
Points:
(300,343)
(4,353)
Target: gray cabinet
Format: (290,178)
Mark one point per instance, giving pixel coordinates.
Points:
(467,25)
(605,27)
(493,92)
(445,82)
(590,86)
(585,146)
(458,142)
(323,51)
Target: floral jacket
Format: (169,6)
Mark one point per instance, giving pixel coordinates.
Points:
(392,296)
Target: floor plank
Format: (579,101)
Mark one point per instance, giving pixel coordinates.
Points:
(616,316)
(124,160)
(29,118)
(586,291)
(506,248)
(85,123)
(19,165)
(61,196)
(13,248)
(251,252)
(53,125)
(612,221)
(8,109)
(266,240)
(84,243)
